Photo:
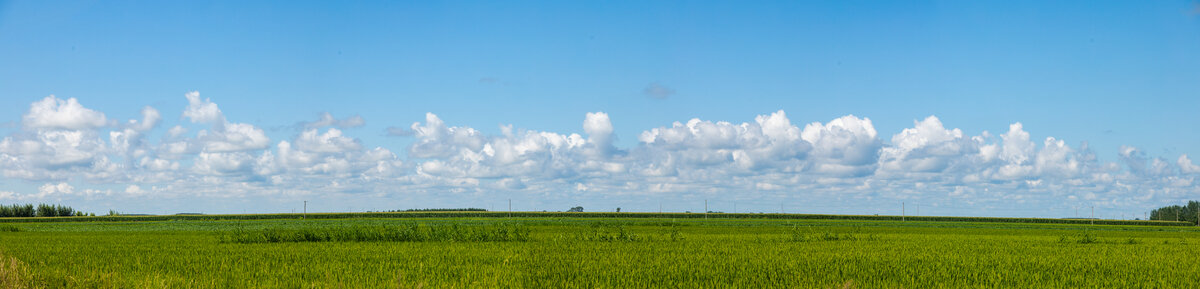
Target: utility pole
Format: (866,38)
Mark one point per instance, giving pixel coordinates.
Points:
(902,211)
(781,208)
(735,207)
(1093,218)
(510,208)
(660,207)
(305,215)
(706,209)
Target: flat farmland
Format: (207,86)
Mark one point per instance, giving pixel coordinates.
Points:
(609,252)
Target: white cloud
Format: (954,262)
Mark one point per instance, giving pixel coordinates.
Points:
(54,113)
(222,137)
(436,140)
(1056,159)
(846,146)
(771,142)
(150,119)
(600,132)
(1016,152)
(927,147)
(135,190)
(202,110)
(331,141)
(58,189)
(842,158)
(59,139)
(233,137)
(222,163)
(1186,166)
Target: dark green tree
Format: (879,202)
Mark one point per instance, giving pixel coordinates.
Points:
(1176,212)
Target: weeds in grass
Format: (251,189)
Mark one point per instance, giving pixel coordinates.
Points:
(13,273)
(9,228)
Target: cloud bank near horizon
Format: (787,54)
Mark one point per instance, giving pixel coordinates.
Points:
(73,152)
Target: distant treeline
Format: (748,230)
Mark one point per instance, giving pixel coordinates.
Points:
(1177,213)
(42,210)
(440,210)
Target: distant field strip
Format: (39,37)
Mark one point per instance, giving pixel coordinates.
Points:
(395,233)
(461,214)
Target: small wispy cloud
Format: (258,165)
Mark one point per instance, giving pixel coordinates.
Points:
(399,131)
(327,120)
(658,91)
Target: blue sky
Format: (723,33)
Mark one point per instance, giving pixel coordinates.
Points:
(1108,73)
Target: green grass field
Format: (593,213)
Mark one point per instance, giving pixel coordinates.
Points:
(552,252)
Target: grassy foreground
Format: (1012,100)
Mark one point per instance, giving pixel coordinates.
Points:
(594,253)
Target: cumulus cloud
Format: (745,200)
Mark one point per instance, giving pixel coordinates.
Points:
(222,137)
(846,146)
(202,110)
(1186,166)
(927,147)
(60,138)
(771,142)
(463,152)
(54,113)
(600,132)
(68,148)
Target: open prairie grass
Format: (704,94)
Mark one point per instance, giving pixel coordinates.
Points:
(599,253)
